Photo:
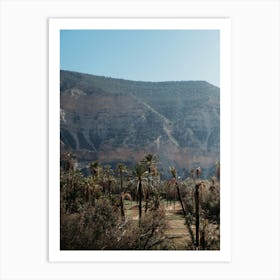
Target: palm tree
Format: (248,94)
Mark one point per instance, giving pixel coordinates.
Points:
(94,169)
(108,178)
(174,175)
(149,160)
(195,175)
(140,169)
(67,162)
(122,168)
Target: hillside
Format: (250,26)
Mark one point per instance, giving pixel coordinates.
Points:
(115,120)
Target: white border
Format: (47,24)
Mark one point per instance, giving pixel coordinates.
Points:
(255,109)
(222,24)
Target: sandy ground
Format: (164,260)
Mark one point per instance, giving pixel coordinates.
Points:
(177,231)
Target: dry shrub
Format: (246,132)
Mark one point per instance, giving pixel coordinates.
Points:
(91,229)
(210,202)
(210,236)
(100,228)
(151,232)
(72,189)
(209,208)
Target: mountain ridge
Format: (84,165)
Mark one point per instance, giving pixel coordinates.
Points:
(137,81)
(114,120)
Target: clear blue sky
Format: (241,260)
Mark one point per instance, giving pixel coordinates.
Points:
(143,55)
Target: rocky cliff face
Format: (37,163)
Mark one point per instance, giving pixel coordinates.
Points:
(114,120)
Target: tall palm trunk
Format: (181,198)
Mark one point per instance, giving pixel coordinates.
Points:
(140,198)
(122,196)
(122,207)
(121,168)
(148,191)
(197,215)
(180,199)
(140,170)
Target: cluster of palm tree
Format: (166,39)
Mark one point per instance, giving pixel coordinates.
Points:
(81,196)
(94,206)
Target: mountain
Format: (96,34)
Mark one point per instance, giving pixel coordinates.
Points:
(116,120)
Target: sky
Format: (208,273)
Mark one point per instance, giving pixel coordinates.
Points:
(143,55)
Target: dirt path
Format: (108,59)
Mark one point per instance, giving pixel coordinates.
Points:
(177,231)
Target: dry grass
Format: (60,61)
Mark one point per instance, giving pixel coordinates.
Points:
(176,231)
